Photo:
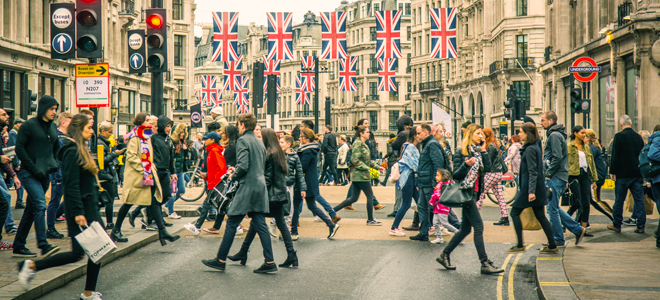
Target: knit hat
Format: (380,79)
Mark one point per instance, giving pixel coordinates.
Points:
(217,110)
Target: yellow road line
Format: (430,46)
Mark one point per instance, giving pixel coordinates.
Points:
(500,277)
(555,283)
(549,258)
(530,246)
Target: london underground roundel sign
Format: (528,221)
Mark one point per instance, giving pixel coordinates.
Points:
(576,70)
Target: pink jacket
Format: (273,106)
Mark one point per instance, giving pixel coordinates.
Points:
(437,207)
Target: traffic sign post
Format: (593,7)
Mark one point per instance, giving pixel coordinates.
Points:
(92,85)
(62,31)
(136,52)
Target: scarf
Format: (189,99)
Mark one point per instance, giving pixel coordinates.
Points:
(143,133)
(473,173)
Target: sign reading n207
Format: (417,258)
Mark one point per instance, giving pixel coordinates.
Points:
(593,69)
(92,85)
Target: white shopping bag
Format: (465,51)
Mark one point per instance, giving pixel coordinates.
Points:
(96,242)
(413,205)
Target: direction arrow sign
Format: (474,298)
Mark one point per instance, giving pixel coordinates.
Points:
(92,85)
(62,43)
(136,61)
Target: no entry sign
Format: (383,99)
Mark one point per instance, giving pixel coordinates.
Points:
(593,69)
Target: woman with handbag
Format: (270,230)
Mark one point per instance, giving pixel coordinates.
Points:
(81,192)
(471,163)
(141,184)
(493,179)
(108,174)
(533,192)
(407,182)
(581,168)
(276,171)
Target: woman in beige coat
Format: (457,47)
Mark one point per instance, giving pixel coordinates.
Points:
(141,185)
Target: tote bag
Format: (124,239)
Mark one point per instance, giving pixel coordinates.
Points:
(96,242)
(394,173)
(455,196)
(528,219)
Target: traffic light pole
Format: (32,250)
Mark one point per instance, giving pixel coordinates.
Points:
(316,94)
(157,79)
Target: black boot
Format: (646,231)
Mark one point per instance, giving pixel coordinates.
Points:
(291,260)
(117,237)
(504,221)
(443,259)
(164,236)
(241,255)
(488,268)
(267,268)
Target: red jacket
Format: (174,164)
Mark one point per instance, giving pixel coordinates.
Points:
(215,165)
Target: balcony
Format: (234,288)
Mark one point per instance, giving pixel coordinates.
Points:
(393,127)
(430,86)
(373,97)
(127,7)
(372,70)
(510,63)
(180,105)
(303,114)
(624,10)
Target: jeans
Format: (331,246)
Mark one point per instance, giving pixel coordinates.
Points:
(5,206)
(635,185)
(311,205)
(19,194)
(540,216)
(364,186)
(324,203)
(583,195)
(424,210)
(281,225)
(181,189)
(259,224)
(408,192)
(397,200)
(558,216)
(53,204)
(35,210)
(471,218)
(9,219)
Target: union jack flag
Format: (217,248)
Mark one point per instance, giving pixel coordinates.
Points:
(280,38)
(308,66)
(347,74)
(271,67)
(610,89)
(233,74)
(225,36)
(242,94)
(209,91)
(443,32)
(333,35)
(388,32)
(302,96)
(386,75)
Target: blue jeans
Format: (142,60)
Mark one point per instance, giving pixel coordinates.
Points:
(53,204)
(424,210)
(325,205)
(35,210)
(558,216)
(9,220)
(635,185)
(181,189)
(408,192)
(19,195)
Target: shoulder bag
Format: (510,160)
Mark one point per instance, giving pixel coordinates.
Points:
(453,195)
(104,197)
(394,173)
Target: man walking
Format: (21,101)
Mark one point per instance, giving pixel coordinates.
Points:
(36,147)
(555,160)
(5,198)
(430,160)
(624,171)
(329,151)
(16,162)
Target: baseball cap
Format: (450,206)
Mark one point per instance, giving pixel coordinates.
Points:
(212,135)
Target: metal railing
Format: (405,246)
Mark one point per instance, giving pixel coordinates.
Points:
(303,114)
(127,7)
(373,97)
(372,70)
(393,127)
(624,11)
(431,85)
(181,105)
(510,63)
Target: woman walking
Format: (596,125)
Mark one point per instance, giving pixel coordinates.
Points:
(581,168)
(493,178)
(360,176)
(471,162)
(407,183)
(513,155)
(533,192)
(142,186)
(179,166)
(108,175)
(601,169)
(278,196)
(81,193)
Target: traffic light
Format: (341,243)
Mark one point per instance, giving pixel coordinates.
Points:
(157,40)
(136,52)
(30,103)
(272,94)
(62,30)
(89,33)
(576,100)
(257,84)
(520,109)
(510,104)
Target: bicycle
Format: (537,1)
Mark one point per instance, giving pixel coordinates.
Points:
(195,184)
(509,189)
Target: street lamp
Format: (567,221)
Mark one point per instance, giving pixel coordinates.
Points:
(316,72)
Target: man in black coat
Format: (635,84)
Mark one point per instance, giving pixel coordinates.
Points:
(329,151)
(625,172)
(36,147)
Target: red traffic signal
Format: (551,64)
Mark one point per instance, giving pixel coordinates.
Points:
(155,20)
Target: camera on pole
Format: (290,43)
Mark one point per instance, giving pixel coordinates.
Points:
(157,40)
(89,28)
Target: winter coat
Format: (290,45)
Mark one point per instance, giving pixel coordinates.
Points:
(431,159)
(108,173)
(402,133)
(308,154)
(216,166)
(373,149)
(329,146)
(531,178)
(390,156)
(179,160)
(495,159)
(162,144)
(362,162)
(342,155)
(461,169)
(37,143)
(654,152)
(555,155)
(278,195)
(295,176)
(574,162)
(601,168)
(230,155)
(134,192)
(437,192)
(513,155)
(252,195)
(625,154)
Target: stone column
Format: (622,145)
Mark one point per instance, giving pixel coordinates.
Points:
(620,100)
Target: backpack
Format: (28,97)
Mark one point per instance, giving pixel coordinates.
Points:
(647,167)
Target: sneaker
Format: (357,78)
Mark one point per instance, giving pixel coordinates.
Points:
(192,228)
(12,231)
(49,250)
(5,245)
(174,215)
(54,234)
(397,232)
(93,296)
(630,222)
(350,207)
(336,219)
(547,250)
(295,237)
(374,223)
(23,252)
(152,227)
(60,219)
(25,274)
(333,231)
(438,241)
(239,230)
(211,230)
(317,219)
(516,249)
(444,231)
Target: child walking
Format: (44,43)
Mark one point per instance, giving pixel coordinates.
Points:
(441,212)
(295,177)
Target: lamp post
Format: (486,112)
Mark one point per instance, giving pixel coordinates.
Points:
(316,72)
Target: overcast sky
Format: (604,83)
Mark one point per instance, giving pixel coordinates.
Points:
(255,10)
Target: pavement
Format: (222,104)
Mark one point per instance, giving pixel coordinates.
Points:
(609,265)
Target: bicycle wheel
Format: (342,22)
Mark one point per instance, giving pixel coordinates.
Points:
(195,186)
(509,189)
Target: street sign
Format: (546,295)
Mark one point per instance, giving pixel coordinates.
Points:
(593,69)
(62,43)
(62,31)
(62,18)
(136,61)
(135,40)
(92,85)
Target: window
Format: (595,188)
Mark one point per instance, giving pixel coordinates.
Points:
(126,102)
(521,47)
(177,9)
(372,33)
(401,7)
(407,13)
(394,115)
(428,43)
(522,92)
(414,16)
(178,50)
(408,32)
(607,94)
(179,84)
(145,103)
(305,53)
(521,8)
(394,95)
(373,88)
(631,95)
(314,53)
(414,46)
(373,120)
(376,7)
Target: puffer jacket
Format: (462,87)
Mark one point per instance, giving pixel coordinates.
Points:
(295,175)
(495,159)
(361,160)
